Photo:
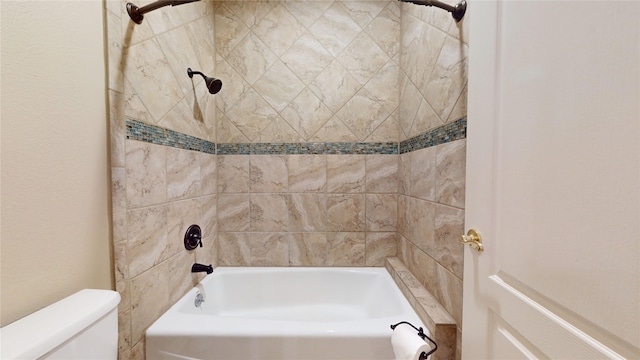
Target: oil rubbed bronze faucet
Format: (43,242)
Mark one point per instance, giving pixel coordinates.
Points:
(196,268)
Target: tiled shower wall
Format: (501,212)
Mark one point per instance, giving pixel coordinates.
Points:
(158,191)
(300,72)
(308,71)
(433,92)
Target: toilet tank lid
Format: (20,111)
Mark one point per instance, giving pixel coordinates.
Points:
(40,332)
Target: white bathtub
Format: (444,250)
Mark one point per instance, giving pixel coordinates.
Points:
(283,313)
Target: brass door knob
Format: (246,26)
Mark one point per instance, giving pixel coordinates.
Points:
(472,239)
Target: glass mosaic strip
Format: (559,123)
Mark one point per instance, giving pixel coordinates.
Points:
(307,148)
(456,130)
(137,130)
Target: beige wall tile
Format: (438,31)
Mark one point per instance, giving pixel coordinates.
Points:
(269,249)
(335,29)
(306,57)
(345,173)
(450,173)
(345,212)
(421,217)
(381,212)
(269,212)
(448,250)
(234,249)
(306,114)
(422,174)
(278,86)
(233,174)
(208,173)
(378,247)
(346,249)
(181,279)
(381,174)
(181,215)
(118,205)
(308,249)
(307,173)
(233,212)
(279,29)
(183,174)
(146,174)
(268,173)
(307,212)
(149,299)
(146,238)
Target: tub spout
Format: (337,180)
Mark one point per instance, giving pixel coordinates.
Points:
(201,268)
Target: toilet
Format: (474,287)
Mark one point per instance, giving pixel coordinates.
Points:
(81,326)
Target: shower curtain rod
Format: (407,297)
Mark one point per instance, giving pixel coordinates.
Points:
(137,13)
(456,11)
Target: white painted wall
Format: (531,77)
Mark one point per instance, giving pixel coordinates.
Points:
(54,173)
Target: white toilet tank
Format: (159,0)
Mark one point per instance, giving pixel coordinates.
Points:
(81,326)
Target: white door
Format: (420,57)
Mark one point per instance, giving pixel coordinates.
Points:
(553,180)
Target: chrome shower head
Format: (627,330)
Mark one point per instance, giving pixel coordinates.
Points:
(214,85)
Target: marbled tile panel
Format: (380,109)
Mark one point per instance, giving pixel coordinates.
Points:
(250,12)
(421,217)
(177,38)
(381,174)
(117,129)
(404,174)
(335,29)
(410,99)
(402,226)
(306,114)
(146,174)
(378,247)
(118,205)
(449,292)
(307,173)
(307,212)
(279,29)
(183,174)
(448,250)
(234,249)
(448,78)
(362,12)
(181,279)
(383,87)
(124,333)
(450,173)
(381,212)
(181,215)
(346,249)
(385,29)
(233,174)
(147,243)
(334,86)
(251,58)
(208,174)
(298,57)
(269,212)
(363,58)
(121,276)
(251,114)
(268,173)
(233,212)
(345,173)
(308,249)
(279,86)
(157,87)
(278,131)
(209,214)
(345,212)
(362,114)
(269,249)
(149,298)
(422,175)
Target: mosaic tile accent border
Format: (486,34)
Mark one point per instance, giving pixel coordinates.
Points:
(307,148)
(137,130)
(456,130)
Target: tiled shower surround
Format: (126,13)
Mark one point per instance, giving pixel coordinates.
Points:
(315,94)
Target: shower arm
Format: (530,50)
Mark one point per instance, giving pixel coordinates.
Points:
(137,13)
(456,11)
